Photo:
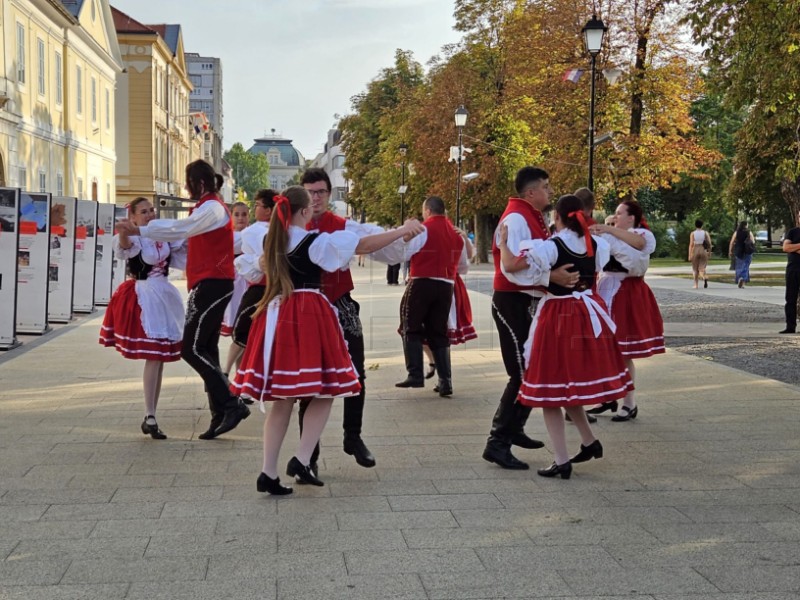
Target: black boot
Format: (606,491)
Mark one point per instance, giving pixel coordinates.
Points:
(412,348)
(441,356)
(235,413)
(355,447)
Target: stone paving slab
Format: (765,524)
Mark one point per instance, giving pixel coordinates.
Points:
(698,498)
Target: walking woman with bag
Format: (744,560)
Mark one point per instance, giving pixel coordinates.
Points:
(699,249)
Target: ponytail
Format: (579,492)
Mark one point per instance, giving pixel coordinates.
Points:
(277,268)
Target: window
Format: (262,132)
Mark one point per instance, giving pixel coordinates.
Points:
(80,187)
(23,178)
(40,56)
(94,99)
(42,181)
(20,53)
(108,109)
(108,192)
(79,90)
(59,184)
(59,89)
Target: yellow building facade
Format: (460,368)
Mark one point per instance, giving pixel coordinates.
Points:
(58,95)
(155,138)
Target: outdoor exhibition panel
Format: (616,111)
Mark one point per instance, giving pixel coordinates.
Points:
(9,236)
(62,259)
(104,253)
(33,262)
(119,264)
(85,243)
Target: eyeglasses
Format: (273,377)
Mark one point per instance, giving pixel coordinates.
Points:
(318,192)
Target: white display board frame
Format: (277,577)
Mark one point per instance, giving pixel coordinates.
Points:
(85,243)
(9,241)
(120,265)
(104,254)
(33,262)
(61,274)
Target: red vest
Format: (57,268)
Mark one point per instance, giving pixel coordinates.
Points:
(210,254)
(336,284)
(539,231)
(441,252)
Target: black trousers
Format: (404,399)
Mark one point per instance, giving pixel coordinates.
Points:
(393,274)
(792,290)
(350,320)
(424,311)
(204,312)
(512,313)
(244,316)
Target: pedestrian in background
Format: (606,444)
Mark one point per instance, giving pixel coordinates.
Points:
(742,247)
(791,245)
(699,248)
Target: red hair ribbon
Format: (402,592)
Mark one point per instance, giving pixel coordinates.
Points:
(578,214)
(643,223)
(283,215)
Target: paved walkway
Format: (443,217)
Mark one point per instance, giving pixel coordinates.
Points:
(697,498)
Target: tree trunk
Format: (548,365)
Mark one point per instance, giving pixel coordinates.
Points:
(790,190)
(484,228)
(637,104)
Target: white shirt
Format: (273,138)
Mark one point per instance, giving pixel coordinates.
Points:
(519,232)
(207,217)
(150,251)
(635,261)
(541,255)
(330,251)
(247,265)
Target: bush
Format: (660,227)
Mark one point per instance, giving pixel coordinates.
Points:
(665,245)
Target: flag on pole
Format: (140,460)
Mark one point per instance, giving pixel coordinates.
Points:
(199,122)
(572,75)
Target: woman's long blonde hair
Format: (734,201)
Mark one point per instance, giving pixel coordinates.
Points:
(279,283)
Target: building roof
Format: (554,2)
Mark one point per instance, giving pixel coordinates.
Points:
(170,34)
(73,6)
(124,23)
(289,154)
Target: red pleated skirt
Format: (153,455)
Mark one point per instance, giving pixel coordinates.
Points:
(640,328)
(464,330)
(309,354)
(122,329)
(569,365)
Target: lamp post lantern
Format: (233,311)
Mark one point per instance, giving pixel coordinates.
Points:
(461,120)
(403,148)
(593,33)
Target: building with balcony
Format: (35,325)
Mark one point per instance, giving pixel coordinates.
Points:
(155,136)
(205,73)
(60,61)
(331,160)
(285,161)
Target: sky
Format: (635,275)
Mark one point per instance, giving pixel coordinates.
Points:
(292,65)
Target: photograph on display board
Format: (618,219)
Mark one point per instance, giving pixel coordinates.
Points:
(8,215)
(33,210)
(24,258)
(52,273)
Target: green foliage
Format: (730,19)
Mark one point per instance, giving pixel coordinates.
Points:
(251,171)
(665,245)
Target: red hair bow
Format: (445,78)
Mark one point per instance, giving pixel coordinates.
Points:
(578,214)
(283,209)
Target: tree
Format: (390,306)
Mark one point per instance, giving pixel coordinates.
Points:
(753,48)
(251,171)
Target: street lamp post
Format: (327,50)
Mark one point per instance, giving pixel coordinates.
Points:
(593,33)
(403,150)
(461,120)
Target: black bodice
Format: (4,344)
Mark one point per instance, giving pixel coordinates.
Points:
(304,273)
(584,265)
(139,270)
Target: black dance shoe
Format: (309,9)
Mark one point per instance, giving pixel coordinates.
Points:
(523,441)
(553,470)
(411,383)
(314,469)
(152,430)
(431,371)
(232,417)
(503,458)
(787,330)
(593,450)
(306,475)
(264,483)
(355,447)
(625,414)
(599,410)
(210,433)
